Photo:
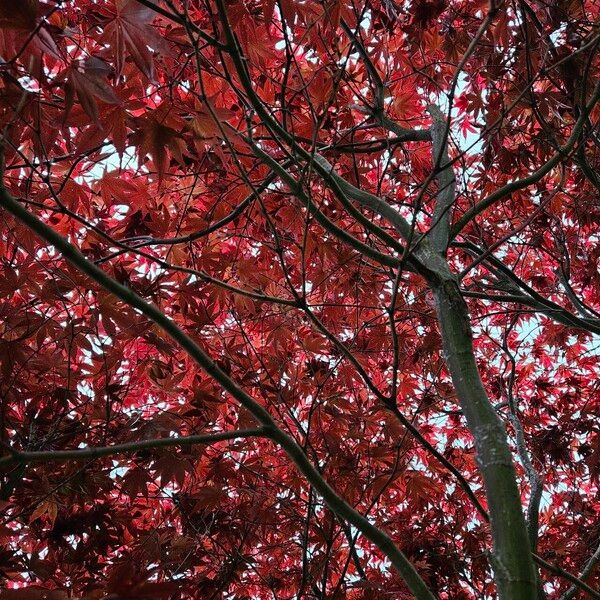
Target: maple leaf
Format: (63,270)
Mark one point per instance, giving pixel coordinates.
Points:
(113,186)
(425,11)
(131,34)
(159,135)
(467,127)
(171,468)
(22,28)
(87,79)
(48,510)
(135,482)
(314,342)
(209,122)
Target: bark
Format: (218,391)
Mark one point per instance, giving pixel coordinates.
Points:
(440,227)
(511,557)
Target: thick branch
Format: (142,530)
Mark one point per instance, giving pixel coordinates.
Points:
(440,228)
(512,562)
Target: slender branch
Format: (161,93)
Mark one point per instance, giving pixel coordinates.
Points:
(381,207)
(533,298)
(579,581)
(536,482)
(560,572)
(584,311)
(17,456)
(179,19)
(329,225)
(374,76)
(183,239)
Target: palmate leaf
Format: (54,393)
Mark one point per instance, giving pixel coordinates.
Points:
(87,80)
(130,33)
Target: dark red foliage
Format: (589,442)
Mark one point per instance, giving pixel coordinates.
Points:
(127,129)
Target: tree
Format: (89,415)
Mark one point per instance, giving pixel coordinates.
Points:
(299,299)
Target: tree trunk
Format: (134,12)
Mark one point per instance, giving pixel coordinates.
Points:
(511,558)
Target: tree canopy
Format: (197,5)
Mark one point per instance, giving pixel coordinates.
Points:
(299,299)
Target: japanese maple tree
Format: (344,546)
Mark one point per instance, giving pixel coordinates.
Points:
(299,299)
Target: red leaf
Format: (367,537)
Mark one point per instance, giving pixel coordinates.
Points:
(130,33)
(88,80)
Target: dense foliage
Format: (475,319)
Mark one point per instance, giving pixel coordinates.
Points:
(307,189)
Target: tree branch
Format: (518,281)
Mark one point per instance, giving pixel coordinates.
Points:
(179,19)
(17,456)
(440,228)
(579,581)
